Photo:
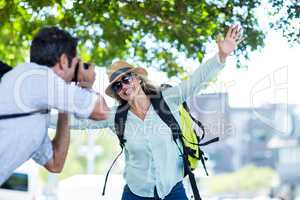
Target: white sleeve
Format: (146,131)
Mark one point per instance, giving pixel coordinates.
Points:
(82,124)
(196,82)
(44,153)
(51,91)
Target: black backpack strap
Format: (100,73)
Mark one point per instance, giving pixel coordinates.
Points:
(107,174)
(164,112)
(17,115)
(120,122)
(216,139)
(193,184)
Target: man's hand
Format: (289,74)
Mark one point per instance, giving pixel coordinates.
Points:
(86,77)
(227,46)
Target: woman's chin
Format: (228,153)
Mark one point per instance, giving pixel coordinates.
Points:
(126,97)
(129,95)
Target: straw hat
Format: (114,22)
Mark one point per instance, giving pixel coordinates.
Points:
(117,70)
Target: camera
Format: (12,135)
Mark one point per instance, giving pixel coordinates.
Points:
(85,66)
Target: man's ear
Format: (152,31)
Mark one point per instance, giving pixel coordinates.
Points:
(63,61)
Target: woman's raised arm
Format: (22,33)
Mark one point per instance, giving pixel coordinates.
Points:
(207,71)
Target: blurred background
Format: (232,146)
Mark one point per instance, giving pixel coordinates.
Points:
(252,105)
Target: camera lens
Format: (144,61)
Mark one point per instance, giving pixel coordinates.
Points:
(86,65)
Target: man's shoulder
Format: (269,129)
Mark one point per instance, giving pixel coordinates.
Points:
(31,65)
(26,68)
(32,71)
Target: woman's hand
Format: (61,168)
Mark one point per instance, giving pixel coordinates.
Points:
(227,46)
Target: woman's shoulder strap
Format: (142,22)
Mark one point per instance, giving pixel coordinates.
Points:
(120,122)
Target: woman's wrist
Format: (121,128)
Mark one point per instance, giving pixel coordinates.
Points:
(222,57)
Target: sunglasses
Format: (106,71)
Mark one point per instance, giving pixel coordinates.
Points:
(118,85)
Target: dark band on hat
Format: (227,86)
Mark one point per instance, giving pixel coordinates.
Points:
(119,72)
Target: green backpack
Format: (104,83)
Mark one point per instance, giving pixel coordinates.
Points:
(190,151)
(191,139)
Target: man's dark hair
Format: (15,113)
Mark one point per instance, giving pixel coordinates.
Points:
(49,44)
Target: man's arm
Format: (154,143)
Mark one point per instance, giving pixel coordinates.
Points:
(86,79)
(60,144)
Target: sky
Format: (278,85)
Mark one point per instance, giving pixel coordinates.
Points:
(272,75)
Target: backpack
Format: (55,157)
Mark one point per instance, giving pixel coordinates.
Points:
(4,68)
(192,141)
(190,151)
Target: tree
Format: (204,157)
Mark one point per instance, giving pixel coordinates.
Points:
(126,29)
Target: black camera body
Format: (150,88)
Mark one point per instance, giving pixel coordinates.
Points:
(85,66)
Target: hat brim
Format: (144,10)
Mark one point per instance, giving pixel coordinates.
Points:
(136,70)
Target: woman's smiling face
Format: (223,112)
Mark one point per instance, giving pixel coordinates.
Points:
(130,87)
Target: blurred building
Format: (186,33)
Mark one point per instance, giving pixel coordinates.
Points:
(288,149)
(263,136)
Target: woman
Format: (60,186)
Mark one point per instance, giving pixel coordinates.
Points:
(153,166)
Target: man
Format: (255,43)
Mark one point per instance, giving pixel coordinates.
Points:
(43,84)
